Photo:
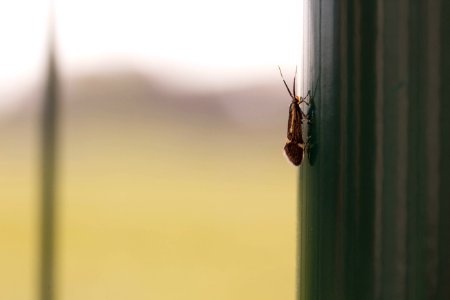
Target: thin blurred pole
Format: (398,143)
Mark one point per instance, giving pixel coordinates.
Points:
(48,172)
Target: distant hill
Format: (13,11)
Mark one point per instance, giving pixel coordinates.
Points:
(130,96)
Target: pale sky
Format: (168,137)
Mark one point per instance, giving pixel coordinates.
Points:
(213,40)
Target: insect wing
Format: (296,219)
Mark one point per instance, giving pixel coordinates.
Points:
(294,152)
(294,132)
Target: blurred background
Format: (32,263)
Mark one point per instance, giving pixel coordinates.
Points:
(170,178)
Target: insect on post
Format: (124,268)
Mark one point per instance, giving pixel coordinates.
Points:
(295,146)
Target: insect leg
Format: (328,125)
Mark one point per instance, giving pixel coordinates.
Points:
(303,99)
(304,115)
(307,117)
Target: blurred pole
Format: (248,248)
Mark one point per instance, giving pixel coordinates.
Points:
(48,171)
(374,205)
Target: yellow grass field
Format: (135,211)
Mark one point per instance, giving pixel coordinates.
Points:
(158,210)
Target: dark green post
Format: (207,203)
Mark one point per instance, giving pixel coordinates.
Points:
(374,203)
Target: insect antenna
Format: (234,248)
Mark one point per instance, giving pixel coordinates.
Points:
(286,83)
(295,77)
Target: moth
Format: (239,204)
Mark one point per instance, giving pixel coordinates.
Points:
(295,145)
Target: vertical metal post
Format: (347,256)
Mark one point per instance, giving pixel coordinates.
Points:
(374,204)
(48,174)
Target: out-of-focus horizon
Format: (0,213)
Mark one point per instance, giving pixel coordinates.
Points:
(171,183)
